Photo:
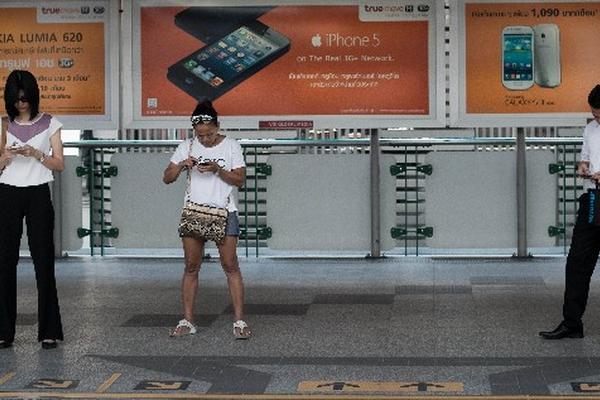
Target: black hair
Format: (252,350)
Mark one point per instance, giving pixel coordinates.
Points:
(594,97)
(21,80)
(206,108)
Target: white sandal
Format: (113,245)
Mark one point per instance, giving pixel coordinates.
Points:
(243,327)
(184,323)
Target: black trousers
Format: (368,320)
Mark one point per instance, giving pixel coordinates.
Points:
(34,204)
(581,261)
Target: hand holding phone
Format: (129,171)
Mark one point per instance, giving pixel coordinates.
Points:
(188,163)
(14,147)
(594,177)
(583,169)
(208,166)
(27,151)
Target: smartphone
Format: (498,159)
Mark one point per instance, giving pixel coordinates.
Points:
(209,24)
(547,55)
(217,68)
(517,57)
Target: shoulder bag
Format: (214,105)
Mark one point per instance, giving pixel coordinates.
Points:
(202,221)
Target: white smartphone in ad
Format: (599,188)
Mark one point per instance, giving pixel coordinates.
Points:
(517,57)
(547,55)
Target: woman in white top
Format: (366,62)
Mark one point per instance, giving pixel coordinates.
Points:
(216,166)
(30,149)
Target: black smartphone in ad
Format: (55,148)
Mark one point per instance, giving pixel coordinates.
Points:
(211,71)
(212,23)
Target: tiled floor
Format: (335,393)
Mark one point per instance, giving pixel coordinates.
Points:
(397,326)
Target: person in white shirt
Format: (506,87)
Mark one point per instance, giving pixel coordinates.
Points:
(216,166)
(30,150)
(585,243)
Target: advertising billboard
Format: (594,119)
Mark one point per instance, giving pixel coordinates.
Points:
(67,46)
(334,64)
(524,63)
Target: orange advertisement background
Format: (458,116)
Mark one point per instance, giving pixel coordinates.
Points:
(579,55)
(270,91)
(87,97)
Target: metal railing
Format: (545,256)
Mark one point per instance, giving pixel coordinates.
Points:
(408,235)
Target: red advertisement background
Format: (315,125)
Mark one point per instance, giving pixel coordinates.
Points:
(270,91)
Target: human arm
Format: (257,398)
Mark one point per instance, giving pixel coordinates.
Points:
(54,162)
(173,170)
(6,156)
(235,177)
(583,168)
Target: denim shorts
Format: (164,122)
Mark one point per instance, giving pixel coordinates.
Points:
(233,224)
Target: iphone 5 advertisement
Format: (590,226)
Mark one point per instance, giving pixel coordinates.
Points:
(363,60)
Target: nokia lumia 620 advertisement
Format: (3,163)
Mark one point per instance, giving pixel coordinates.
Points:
(218,67)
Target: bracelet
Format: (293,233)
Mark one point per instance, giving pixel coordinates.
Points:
(42,158)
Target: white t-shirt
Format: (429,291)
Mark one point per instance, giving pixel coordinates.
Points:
(208,188)
(28,171)
(591,151)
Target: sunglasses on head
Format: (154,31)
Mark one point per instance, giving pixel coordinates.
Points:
(204,118)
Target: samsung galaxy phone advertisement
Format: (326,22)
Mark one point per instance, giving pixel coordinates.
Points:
(367,60)
(537,60)
(65,45)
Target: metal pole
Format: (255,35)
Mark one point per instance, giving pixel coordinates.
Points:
(102,216)
(521,196)
(92,183)
(375,195)
(58,213)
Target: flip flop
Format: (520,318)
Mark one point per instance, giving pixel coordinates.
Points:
(241,330)
(180,329)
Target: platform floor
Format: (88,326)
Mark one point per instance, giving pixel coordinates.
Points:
(392,327)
